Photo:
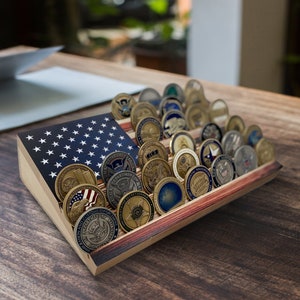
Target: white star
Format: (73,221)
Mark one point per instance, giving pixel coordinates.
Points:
(83,143)
(108,142)
(55,144)
(91,154)
(59,136)
(103,125)
(71,139)
(97,174)
(63,155)
(119,145)
(105,149)
(50,152)
(64,129)
(102,156)
(79,125)
(90,128)
(67,147)
(29,137)
(36,149)
(99,165)
(130,147)
(106,119)
(121,137)
(48,133)
(79,150)
(97,138)
(100,131)
(94,146)
(57,164)
(75,159)
(111,134)
(87,162)
(75,132)
(114,128)
(42,141)
(93,122)
(53,174)
(44,161)
(86,135)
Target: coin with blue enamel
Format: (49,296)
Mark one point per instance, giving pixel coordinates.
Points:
(208,151)
(172,121)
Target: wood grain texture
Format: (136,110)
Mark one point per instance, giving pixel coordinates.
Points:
(248,249)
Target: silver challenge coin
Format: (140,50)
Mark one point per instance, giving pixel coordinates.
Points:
(211,131)
(173,89)
(120,184)
(150,95)
(231,141)
(222,170)
(245,160)
(95,228)
(116,162)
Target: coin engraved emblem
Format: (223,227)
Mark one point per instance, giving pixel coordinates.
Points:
(173,121)
(222,170)
(134,210)
(211,131)
(120,184)
(140,111)
(235,123)
(209,150)
(231,141)
(265,151)
(245,160)
(197,182)
(96,227)
(122,105)
(181,140)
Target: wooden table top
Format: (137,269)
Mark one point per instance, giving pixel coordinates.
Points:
(247,249)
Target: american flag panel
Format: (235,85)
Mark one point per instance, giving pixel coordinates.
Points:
(87,141)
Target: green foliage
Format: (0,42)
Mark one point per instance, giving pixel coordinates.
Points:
(97,8)
(158,6)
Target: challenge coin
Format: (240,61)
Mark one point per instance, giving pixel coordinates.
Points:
(168,194)
(231,141)
(71,176)
(150,95)
(197,182)
(95,228)
(116,162)
(196,116)
(183,160)
(140,111)
(150,150)
(80,199)
(245,160)
(182,139)
(222,170)
(252,135)
(235,123)
(121,106)
(174,89)
(265,151)
(209,150)
(172,121)
(120,184)
(169,103)
(153,171)
(148,129)
(134,210)
(218,112)
(211,131)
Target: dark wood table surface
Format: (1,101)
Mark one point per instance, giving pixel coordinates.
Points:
(248,249)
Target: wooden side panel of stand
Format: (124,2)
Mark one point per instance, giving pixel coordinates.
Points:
(140,238)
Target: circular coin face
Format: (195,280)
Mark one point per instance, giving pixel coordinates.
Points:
(184,160)
(197,182)
(196,116)
(211,131)
(172,121)
(209,150)
(231,141)
(218,112)
(80,199)
(121,106)
(120,184)
(153,171)
(235,123)
(252,135)
(245,160)
(95,228)
(169,103)
(140,111)
(150,150)
(71,176)
(150,95)
(148,129)
(168,194)
(173,89)
(116,162)
(134,210)
(182,140)
(265,151)
(222,170)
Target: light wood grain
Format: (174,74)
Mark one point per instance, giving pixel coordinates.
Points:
(248,249)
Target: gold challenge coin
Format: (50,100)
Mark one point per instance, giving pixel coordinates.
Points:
(121,106)
(134,210)
(235,122)
(140,111)
(265,151)
(180,140)
(71,176)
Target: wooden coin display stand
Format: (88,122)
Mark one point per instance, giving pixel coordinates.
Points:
(138,239)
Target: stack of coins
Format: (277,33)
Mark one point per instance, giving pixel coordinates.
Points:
(174,165)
